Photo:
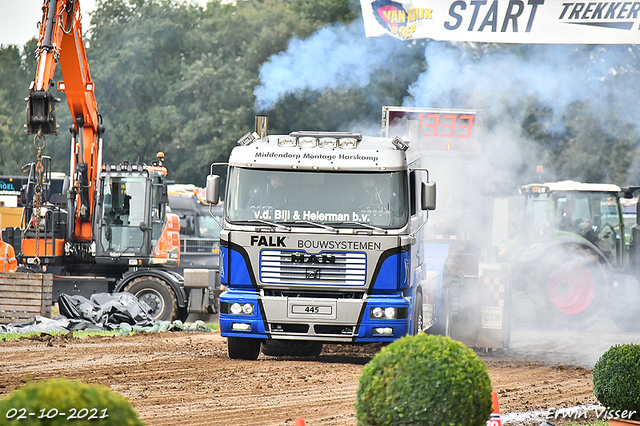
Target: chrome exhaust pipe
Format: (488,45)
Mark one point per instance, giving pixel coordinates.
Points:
(262,125)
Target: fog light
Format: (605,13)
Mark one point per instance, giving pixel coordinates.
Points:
(383,330)
(327,142)
(307,142)
(239,326)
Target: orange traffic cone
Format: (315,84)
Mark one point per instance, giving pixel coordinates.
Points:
(494,418)
(299,422)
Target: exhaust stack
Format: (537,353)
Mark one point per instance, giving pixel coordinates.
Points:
(262,125)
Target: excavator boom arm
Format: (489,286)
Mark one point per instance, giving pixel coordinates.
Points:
(60,41)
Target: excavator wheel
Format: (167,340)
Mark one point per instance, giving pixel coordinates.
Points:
(157,294)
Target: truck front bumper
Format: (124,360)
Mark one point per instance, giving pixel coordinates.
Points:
(247,314)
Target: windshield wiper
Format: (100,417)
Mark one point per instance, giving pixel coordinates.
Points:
(274,224)
(320,225)
(366,225)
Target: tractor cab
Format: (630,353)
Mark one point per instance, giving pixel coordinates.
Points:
(589,214)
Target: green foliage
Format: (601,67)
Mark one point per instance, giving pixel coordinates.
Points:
(51,397)
(616,378)
(426,380)
(14,144)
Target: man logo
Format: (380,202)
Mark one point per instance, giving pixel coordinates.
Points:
(313,273)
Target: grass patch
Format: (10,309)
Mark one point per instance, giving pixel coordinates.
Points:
(79,334)
(5,337)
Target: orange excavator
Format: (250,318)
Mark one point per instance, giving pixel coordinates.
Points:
(110,230)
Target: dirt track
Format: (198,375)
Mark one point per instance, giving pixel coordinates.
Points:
(187,379)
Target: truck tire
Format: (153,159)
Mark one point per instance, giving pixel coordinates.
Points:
(573,286)
(243,348)
(622,302)
(442,326)
(291,348)
(157,294)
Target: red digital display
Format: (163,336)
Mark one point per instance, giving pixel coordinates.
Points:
(436,130)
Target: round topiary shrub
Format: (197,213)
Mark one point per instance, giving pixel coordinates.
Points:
(616,379)
(63,402)
(424,380)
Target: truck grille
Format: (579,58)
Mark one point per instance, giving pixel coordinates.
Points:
(191,245)
(298,267)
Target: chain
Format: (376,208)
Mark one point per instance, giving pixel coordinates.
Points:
(37,194)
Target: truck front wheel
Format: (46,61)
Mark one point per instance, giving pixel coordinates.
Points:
(291,348)
(243,348)
(157,294)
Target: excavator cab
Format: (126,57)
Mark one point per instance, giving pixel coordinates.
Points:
(132,226)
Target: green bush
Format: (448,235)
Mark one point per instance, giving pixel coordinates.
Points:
(424,380)
(616,378)
(63,402)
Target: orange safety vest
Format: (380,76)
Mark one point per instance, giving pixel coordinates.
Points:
(8,262)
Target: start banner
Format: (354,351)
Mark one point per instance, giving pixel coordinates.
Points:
(505,21)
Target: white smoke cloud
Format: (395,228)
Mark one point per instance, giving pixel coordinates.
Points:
(336,57)
(474,76)
(498,81)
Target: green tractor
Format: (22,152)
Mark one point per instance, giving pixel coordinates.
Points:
(575,252)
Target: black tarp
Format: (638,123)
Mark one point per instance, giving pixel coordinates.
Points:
(103,311)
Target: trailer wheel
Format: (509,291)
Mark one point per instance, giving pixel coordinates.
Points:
(574,287)
(243,348)
(157,294)
(291,348)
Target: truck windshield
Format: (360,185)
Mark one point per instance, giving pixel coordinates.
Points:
(376,198)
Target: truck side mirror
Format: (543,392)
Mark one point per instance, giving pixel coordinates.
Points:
(428,196)
(163,197)
(212,192)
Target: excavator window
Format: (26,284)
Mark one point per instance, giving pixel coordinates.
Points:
(121,218)
(158,207)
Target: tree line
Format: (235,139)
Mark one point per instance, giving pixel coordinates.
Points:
(180,78)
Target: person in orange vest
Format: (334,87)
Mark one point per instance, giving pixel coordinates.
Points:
(8,262)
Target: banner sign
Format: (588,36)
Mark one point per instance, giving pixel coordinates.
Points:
(505,21)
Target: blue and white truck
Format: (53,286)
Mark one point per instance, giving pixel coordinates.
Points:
(322,242)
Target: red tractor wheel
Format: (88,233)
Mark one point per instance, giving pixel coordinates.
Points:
(571,288)
(574,287)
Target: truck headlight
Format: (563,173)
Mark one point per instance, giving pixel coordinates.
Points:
(390,313)
(241,308)
(384,313)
